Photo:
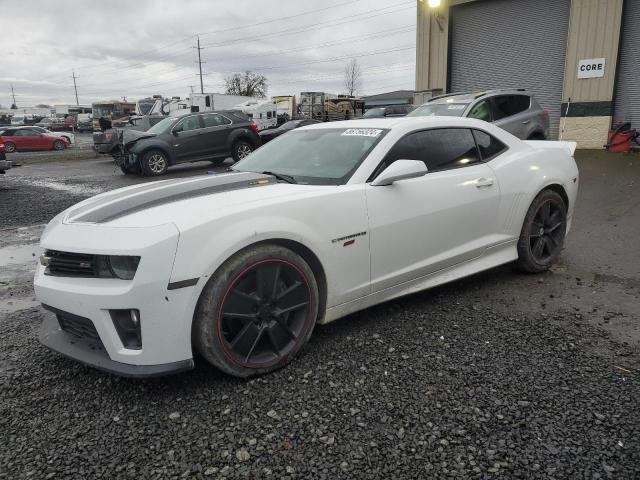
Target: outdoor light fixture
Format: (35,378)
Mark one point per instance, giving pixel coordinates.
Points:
(439,17)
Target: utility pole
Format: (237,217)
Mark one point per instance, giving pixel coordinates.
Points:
(14,97)
(200,65)
(124,99)
(75,87)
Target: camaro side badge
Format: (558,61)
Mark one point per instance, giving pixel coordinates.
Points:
(349,239)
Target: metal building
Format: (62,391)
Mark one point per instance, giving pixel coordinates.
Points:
(579,57)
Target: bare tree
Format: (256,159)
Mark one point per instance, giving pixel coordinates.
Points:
(247,84)
(352,78)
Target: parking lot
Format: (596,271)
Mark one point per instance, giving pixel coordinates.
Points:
(499,375)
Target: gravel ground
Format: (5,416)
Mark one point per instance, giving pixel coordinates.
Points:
(501,375)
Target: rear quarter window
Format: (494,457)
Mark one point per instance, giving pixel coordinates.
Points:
(488,145)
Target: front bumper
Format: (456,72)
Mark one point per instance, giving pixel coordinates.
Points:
(93,354)
(165,314)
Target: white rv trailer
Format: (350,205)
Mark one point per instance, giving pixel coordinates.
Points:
(263,112)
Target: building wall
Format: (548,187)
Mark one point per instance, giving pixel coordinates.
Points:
(594,32)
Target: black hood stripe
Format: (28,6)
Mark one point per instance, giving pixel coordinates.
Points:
(112,207)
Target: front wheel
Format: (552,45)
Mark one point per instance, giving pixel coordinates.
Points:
(543,231)
(258,310)
(58,145)
(154,163)
(241,149)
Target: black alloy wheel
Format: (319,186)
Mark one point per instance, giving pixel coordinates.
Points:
(543,232)
(263,313)
(9,147)
(257,311)
(58,145)
(546,233)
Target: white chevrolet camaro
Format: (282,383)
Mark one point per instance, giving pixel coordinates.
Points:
(319,223)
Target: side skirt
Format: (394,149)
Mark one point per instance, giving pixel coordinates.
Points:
(494,256)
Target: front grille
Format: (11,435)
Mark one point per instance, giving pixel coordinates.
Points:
(79,327)
(66,264)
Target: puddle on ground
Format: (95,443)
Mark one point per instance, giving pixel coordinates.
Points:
(11,304)
(19,255)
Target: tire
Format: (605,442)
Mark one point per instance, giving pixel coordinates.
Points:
(543,232)
(241,149)
(154,163)
(218,162)
(537,136)
(9,147)
(246,331)
(59,145)
(130,169)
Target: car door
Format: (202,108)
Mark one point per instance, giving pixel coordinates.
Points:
(26,140)
(217,129)
(188,141)
(422,225)
(38,139)
(509,113)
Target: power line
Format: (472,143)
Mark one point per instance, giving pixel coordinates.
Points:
(314,26)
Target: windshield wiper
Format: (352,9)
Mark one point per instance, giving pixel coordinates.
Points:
(281,176)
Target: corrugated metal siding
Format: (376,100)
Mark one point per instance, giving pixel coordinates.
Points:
(511,44)
(627,96)
(594,31)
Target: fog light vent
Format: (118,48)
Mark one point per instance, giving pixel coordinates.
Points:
(127,323)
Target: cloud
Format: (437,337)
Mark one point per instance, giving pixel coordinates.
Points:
(144,47)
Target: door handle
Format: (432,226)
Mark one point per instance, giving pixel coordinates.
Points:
(484,182)
(526,121)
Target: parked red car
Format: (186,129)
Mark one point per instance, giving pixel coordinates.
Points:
(27,139)
(4,163)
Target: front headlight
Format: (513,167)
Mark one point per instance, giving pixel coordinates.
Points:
(68,264)
(123,266)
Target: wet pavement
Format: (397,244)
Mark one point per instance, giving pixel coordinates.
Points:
(498,375)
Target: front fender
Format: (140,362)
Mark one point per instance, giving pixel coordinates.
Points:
(144,145)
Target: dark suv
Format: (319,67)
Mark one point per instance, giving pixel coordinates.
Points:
(194,137)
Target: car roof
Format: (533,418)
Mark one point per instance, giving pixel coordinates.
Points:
(399,122)
(467,97)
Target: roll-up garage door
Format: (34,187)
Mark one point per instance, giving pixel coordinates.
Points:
(627,97)
(511,44)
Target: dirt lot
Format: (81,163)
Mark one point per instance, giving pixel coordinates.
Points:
(501,375)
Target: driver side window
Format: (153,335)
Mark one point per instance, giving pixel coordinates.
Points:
(439,149)
(189,123)
(482,111)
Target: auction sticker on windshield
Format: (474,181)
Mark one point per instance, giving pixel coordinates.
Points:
(363,132)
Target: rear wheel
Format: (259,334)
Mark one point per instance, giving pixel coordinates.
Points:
(536,136)
(154,163)
(257,311)
(58,145)
(543,231)
(9,147)
(241,149)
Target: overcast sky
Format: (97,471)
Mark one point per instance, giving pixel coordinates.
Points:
(145,47)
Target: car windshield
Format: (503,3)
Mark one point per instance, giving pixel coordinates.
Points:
(374,112)
(162,126)
(440,109)
(325,156)
(290,125)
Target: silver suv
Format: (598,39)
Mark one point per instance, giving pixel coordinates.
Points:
(514,110)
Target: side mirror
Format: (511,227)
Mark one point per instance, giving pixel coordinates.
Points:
(176,131)
(400,170)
